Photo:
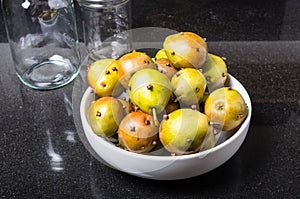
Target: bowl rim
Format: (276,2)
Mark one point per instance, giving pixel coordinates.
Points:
(200,154)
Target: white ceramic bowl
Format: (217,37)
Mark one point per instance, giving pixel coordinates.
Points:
(165,167)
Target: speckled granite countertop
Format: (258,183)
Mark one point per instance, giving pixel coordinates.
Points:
(261,41)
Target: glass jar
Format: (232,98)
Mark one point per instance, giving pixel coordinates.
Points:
(105,27)
(44,41)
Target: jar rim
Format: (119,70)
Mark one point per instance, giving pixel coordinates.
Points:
(100,3)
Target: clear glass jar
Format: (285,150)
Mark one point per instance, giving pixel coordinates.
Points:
(44,41)
(105,27)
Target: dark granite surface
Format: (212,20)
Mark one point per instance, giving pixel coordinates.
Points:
(42,155)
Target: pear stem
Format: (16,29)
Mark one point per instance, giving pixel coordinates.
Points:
(156,122)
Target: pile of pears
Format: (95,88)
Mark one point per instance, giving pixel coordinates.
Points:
(176,101)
